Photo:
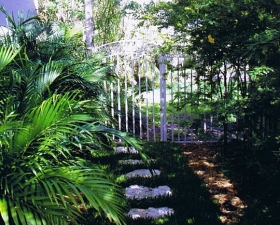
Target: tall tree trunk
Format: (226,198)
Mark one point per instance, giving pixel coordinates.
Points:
(89,24)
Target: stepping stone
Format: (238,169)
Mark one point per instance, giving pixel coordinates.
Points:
(122,149)
(131,162)
(141,192)
(134,161)
(145,173)
(150,212)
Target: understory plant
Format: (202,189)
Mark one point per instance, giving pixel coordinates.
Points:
(53,113)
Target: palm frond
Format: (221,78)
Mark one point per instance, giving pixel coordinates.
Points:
(96,190)
(47,75)
(7,54)
(95,69)
(50,127)
(46,118)
(8,105)
(48,195)
(23,86)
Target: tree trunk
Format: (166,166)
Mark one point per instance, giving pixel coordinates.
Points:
(89,24)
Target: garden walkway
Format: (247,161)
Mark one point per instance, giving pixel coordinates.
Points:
(140,192)
(203,161)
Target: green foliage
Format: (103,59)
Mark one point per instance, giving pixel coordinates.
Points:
(66,11)
(53,115)
(236,47)
(107,17)
(109,26)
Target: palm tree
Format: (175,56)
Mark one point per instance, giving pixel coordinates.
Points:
(49,104)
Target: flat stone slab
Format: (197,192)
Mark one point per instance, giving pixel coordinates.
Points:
(122,149)
(150,212)
(131,162)
(141,192)
(145,173)
(134,161)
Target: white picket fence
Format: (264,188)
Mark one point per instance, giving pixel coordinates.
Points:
(144,97)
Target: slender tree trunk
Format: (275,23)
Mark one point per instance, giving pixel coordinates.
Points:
(89,24)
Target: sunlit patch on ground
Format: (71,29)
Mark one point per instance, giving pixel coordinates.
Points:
(204,164)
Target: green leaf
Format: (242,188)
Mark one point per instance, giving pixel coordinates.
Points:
(7,54)
(4,210)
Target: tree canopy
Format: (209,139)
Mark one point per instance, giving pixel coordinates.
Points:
(235,45)
(107,16)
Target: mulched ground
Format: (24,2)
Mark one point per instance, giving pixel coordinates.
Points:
(206,163)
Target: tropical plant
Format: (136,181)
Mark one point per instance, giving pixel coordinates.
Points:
(42,182)
(51,106)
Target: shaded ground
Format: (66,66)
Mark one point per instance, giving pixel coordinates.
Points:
(202,158)
(190,200)
(208,186)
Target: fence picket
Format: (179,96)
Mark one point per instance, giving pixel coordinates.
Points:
(146,87)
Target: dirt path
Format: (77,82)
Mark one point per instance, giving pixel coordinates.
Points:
(203,160)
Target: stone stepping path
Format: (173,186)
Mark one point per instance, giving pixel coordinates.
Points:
(122,149)
(131,162)
(150,212)
(145,173)
(139,192)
